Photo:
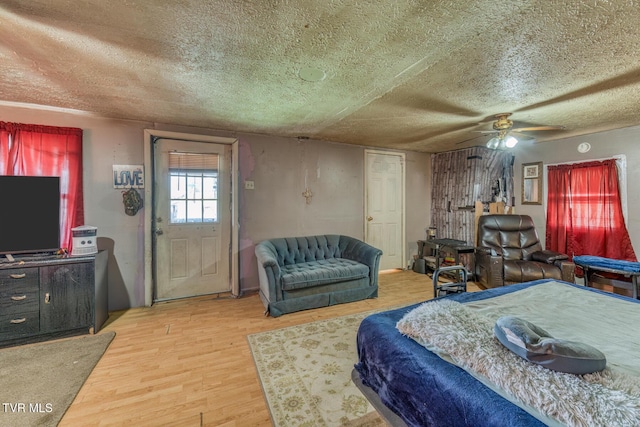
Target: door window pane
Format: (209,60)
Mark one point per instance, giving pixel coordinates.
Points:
(210,187)
(210,211)
(178,211)
(194,188)
(178,186)
(194,211)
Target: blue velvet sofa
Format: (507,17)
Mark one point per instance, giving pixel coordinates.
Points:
(298,273)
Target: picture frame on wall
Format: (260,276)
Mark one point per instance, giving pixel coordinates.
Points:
(531,170)
(532,183)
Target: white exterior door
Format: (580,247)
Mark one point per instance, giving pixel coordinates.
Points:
(384,206)
(192,218)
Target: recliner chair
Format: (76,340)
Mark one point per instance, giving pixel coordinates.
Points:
(509,251)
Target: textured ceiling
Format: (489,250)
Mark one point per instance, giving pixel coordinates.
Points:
(417,75)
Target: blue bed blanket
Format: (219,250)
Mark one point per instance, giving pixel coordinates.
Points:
(422,388)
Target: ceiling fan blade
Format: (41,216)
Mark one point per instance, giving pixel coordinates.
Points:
(537,141)
(629,78)
(445,107)
(419,103)
(537,128)
(521,136)
(485,131)
(428,133)
(470,139)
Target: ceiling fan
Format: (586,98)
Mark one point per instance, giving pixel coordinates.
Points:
(504,132)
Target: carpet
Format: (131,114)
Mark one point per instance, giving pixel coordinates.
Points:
(39,381)
(305,371)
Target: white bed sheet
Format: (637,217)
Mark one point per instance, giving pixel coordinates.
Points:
(609,324)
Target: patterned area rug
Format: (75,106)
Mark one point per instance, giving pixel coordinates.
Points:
(305,372)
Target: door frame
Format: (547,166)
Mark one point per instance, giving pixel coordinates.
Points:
(403,202)
(149,136)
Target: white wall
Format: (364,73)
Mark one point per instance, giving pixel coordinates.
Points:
(276,207)
(418,212)
(603,145)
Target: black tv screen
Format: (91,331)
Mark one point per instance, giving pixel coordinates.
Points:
(29,214)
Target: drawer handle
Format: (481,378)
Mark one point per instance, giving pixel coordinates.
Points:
(16,321)
(20,298)
(18,276)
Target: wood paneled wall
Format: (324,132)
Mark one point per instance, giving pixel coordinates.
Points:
(459,179)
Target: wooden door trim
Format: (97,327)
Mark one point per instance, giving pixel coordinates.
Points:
(403,203)
(149,135)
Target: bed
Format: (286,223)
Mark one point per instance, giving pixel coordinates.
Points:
(411,385)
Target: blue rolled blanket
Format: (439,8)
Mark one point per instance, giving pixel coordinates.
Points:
(614,264)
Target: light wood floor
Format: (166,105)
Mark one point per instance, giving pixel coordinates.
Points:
(188,363)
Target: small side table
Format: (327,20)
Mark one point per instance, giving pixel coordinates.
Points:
(437,247)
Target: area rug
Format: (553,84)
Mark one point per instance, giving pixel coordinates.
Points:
(38,382)
(305,372)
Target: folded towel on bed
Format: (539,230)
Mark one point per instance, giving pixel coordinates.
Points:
(536,345)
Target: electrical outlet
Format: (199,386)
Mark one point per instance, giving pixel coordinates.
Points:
(249,185)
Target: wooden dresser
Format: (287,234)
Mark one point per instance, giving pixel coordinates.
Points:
(49,297)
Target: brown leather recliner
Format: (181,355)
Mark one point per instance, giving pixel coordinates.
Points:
(509,252)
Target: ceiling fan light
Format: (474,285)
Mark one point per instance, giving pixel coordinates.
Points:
(510,142)
(493,143)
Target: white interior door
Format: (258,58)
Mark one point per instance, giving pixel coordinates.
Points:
(384,206)
(192,218)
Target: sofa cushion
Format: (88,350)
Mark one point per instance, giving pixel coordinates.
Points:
(294,250)
(321,272)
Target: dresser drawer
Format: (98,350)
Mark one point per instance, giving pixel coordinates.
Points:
(15,276)
(18,287)
(19,301)
(19,293)
(19,324)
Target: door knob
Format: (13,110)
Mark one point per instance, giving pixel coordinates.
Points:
(369,218)
(159,231)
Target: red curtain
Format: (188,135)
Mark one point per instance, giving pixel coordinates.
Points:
(47,151)
(584,211)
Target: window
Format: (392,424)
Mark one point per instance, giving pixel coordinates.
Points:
(193,188)
(585,212)
(37,150)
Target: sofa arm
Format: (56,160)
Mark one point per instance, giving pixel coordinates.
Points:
(268,271)
(560,260)
(357,250)
(489,267)
(568,270)
(549,257)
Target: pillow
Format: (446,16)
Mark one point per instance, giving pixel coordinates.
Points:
(548,256)
(538,346)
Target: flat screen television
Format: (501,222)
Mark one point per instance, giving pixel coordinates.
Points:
(29,214)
